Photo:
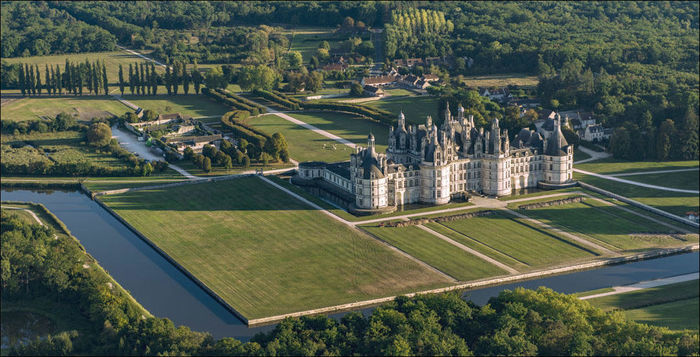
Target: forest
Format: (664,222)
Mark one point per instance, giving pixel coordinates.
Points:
(519,322)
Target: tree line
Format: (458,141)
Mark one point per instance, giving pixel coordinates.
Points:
(75,77)
(519,322)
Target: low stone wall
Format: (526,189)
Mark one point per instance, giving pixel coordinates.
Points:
(638,204)
(415,222)
(563,201)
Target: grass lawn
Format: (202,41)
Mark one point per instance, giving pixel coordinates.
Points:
(580,155)
(501,80)
(265,252)
(414,108)
(614,166)
(307,40)
(673,202)
(436,252)
(218,170)
(538,193)
(522,243)
(83,107)
(674,306)
(304,144)
(192,104)
(112,61)
(686,180)
(350,127)
(618,229)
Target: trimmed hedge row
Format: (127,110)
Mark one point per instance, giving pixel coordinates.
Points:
(279,99)
(291,99)
(248,102)
(232,101)
(233,120)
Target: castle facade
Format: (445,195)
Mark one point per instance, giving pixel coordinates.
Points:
(427,164)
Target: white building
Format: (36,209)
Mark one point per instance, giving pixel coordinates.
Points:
(430,165)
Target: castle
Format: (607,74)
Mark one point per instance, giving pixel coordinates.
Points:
(424,164)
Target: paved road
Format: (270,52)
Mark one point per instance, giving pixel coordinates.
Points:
(646,285)
(612,178)
(469,250)
(308,126)
(594,155)
(129,142)
(142,56)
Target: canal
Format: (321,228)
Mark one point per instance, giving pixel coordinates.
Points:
(167,292)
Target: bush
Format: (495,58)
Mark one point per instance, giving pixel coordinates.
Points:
(99,134)
(280,99)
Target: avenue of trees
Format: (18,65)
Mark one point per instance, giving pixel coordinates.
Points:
(520,322)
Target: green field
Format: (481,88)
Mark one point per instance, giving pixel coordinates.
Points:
(112,61)
(414,108)
(307,40)
(614,166)
(192,104)
(677,203)
(674,306)
(614,227)
(580,155)
(501,80)
(84,107)
(263,251)
(687,180)
(502,233)
(436,252)
(218,170)
(304,144)
(349,127)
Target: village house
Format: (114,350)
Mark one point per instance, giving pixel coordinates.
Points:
(373,91)
(194,142)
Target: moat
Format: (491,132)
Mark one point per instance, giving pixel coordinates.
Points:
(167,292)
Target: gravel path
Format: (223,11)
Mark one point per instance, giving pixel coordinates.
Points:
(594,155)
(612,178)
(655,172)
(646,285)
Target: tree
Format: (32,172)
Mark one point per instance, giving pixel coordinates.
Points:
(154,79)
(186,83)
(258,77)
(22,80)
(688,135)
(356,90)
(188,153)
(132,80)
(314,81)
(294,59)
(38,79)
(130,117)
(121,79)
(105,82)
(215,78)
(206,164)
(146,169)
(664,137)
(245,162)
(47,79)
(149,115)
(196,78)
(99,134)
(168,80)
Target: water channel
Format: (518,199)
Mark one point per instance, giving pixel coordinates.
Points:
(167,292)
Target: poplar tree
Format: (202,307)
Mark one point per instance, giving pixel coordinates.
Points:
(47,79)
(96,77)
(131,79)
(22,81)
(154,78)
(147,79)
(167,79)
(105,82)
(121,79)
(68,77)
(38,79)
(143,80)
(175,76)
(185,79)
(137,79)
(58,82)
(196,78)
(31,79)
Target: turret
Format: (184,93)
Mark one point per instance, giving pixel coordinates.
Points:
(370,143)
(448,115)
(428,122)
(402,120)
(460,112)
(495,137)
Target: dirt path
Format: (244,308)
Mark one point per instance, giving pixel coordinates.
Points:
(645,285)
(36,218)
(594,155)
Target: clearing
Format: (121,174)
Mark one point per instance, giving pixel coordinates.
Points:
(265,252)
(191,104)
(83,107)
(501,80)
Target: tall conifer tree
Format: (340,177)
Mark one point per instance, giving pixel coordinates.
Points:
(105,82)
(131,79)
(22,80)
(58,83)
(121,79)
(154,79)
(38,79)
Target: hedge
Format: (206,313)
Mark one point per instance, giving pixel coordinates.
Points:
(280,99)
(380,115)
(233,102)
(232,120)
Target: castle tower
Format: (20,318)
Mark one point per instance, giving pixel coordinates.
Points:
(370,144)
(448,115)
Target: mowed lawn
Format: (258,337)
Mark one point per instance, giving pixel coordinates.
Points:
(614,227)
(685,180)
(501,80)
(111,59)
(677,203)
(522,243)
(85,107)
(614,166)
(416,109)
(674,306)
(350,127)
(191,104)
(304,144)
(266,253)
(436,252)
